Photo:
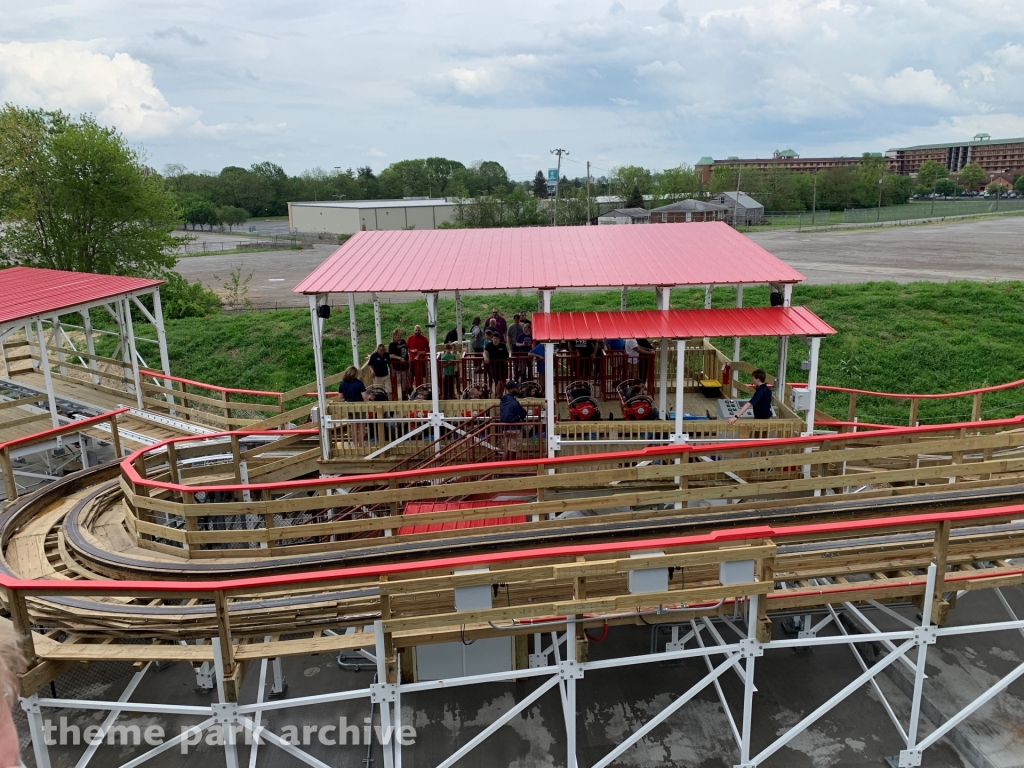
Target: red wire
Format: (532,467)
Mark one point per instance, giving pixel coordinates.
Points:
(604,634)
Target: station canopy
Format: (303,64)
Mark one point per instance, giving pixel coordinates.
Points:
(27,292)
(679,323)
(446,260)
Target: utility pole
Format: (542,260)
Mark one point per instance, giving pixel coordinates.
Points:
(588,193)
(878,217)
(558,181)
(736,208)
(814,199)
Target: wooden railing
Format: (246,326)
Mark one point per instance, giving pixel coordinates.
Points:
(195,400)
(6,449)
(915,399)
(649,477)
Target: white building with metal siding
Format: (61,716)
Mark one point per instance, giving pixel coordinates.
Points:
(345,217)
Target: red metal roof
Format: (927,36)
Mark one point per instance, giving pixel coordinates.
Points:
(680,323)
(421,507)
(546,257)
(27,291)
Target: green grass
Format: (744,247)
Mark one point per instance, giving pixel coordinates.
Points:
(920,337)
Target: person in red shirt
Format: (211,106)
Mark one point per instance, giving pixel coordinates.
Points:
(419,353)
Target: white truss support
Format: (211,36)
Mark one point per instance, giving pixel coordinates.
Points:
(258,714)
(912,755)
(570,671)
(752,651)
(272,738)
(874,683)
(718,688)
(561,684)
(658,719)
(230,747)
(111,718)
(501,721)
(170,743)
(810,719)
(885,641)
(382,682)
(35,728)
(1009,610)
(719,640)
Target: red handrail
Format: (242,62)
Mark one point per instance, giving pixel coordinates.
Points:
(62,430)
(897,396)
(419,474)
(214,387)
(84,586)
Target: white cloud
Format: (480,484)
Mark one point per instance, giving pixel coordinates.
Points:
(660,68)
(909,86)
(67,75)
(625,102)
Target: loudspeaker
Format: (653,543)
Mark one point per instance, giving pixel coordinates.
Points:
(323,311)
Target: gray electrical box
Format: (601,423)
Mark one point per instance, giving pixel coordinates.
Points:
(477,598)
(800,399)
(645,580)
(736,572)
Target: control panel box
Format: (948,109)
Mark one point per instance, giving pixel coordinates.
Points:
(729,407)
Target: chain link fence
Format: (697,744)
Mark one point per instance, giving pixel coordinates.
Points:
(889,213)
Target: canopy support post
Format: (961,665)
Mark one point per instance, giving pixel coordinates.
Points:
(458,316)
(376,318)
(812,383)
(133,353)
(58,341)
(663,294)
(549,396)
(353,331)
(708,292)
(44,363)
(435,379)
(321,386)
(623,298)
(780,375)
(679,436)
(735,345)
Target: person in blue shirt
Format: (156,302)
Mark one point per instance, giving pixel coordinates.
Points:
(509,408)
(760,401)
(351,388)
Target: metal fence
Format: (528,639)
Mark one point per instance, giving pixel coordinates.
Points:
(888,213)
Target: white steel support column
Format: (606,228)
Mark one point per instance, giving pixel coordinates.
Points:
(812,383)
(708,291)
(663,294)
(435,379)
(321,387)
(907,756)
(130,334)
(570,695)
(90,344)
(382,680)
(679,435)
(623,299)
(550,399)
(458,315)
(38,733)
(353,330)
(44,363)
(230,747)
(161,335)
(735,347)
(376,319)
(58,342)
(748,680)
(780,373)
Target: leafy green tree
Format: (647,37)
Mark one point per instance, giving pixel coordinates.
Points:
(676,182)
(197,211)
(406,178)
(972,175)
(946,187)
(367,182)
(439,171)
(1018,184)
(929,172)
(995,188)
(75,196)
(228,214)
(723,179)
(627,177)
(179,298)
(634,199)
(540,185)
(243,188)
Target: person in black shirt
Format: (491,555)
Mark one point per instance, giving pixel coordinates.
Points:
(496,355)
(510,409)
(380,364)
(398,352)
(351,388)
(760,401)
(645,350)
(452,337)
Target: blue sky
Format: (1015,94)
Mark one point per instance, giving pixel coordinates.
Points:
(210,84)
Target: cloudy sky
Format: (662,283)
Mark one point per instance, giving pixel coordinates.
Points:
(350,83)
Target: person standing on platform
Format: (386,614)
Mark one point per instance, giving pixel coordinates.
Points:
(419,352)
(351,388)
(760,401)
(496,355)
(380,364)
(398,352)
(499,322)
(476,335)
